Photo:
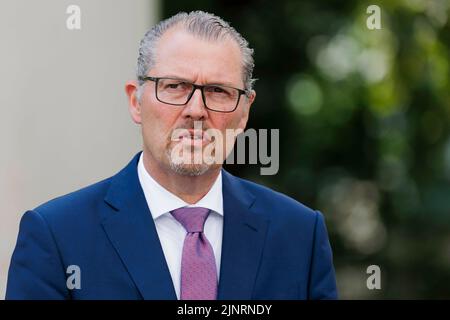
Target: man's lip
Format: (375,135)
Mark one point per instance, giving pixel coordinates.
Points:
(192,133)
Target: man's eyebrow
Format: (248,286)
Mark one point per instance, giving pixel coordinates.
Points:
(169,76)
(226,84)
(212,83)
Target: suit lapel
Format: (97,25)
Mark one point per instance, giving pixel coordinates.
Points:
(244,233)
(131,230)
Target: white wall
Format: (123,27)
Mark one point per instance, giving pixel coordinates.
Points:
(64,121)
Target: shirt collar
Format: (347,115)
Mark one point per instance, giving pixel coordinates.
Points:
(161,201)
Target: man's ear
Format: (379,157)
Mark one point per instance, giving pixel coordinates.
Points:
(252,97)
(134,106)
(248,103)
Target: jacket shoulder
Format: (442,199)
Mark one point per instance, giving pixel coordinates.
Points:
(77,202)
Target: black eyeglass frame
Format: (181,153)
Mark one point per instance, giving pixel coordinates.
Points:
(194,87)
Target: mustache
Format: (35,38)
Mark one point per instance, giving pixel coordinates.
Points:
(198,127)
(193,125)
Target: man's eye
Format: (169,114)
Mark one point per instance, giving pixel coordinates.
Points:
(219,90)
(216,90)
(174,85)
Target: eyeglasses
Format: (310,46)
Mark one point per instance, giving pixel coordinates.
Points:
(178,92)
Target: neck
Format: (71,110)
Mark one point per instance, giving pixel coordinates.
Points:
(188,188)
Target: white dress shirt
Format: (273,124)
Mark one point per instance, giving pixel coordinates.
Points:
(170,232)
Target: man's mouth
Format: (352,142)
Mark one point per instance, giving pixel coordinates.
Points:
(194,137)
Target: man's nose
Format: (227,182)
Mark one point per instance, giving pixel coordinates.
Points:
(195,108)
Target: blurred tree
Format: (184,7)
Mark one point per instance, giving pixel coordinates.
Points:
(364,119)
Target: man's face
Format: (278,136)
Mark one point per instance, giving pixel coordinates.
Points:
(184,56)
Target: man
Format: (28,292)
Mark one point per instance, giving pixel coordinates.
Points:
(167,227)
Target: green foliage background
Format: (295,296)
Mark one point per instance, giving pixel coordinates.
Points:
(364,119)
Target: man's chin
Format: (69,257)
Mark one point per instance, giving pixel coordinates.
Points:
(192,170)
(190,162)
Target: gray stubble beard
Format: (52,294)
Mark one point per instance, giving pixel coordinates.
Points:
(193,169)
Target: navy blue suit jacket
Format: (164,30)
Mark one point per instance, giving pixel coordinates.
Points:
(273,247)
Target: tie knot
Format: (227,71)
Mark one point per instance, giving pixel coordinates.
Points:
(192,218)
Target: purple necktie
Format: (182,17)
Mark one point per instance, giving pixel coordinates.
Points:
(198,266)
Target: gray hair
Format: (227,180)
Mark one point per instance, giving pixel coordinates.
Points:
(202,24)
